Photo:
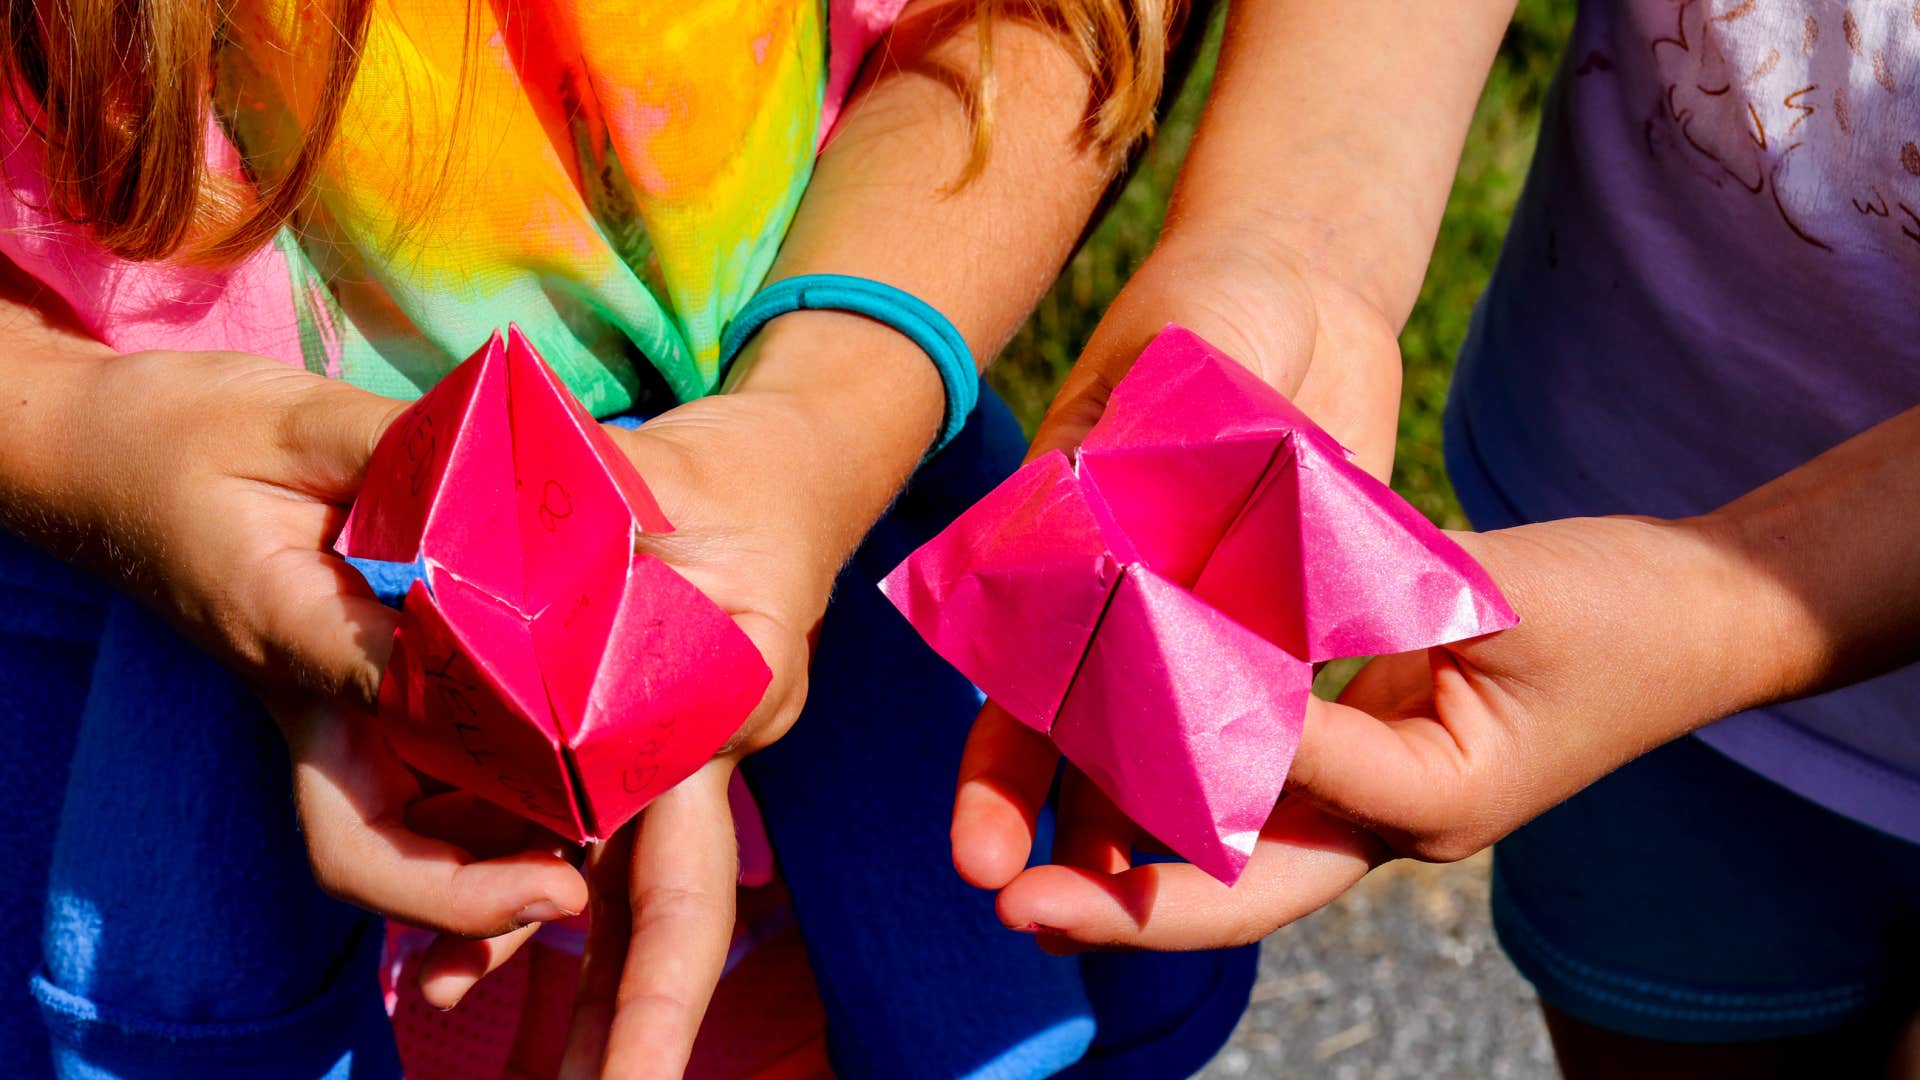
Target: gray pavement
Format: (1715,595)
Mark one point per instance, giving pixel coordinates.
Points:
(1399,978)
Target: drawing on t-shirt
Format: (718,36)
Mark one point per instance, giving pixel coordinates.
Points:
(1811,108)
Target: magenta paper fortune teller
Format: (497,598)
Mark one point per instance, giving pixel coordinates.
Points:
(1156,605)
(541,661)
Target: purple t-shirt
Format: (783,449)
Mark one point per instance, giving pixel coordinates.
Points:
(1712,277)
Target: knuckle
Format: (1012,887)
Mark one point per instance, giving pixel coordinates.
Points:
(390,415)
(658,904)
(655,998)
(460,909)
(670,898)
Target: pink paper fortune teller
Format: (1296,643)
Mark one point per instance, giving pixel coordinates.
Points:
(541,662)
(1156,605)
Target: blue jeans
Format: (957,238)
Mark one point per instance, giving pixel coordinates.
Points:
(183,933)
(185,937)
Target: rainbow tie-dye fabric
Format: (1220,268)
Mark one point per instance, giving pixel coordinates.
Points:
(615,177)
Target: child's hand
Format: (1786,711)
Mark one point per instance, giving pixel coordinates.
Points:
(482,876)
(1311,339)
(1322,345)
(211,485)
(663,911)
(762,535)
(1435,755)
(760,514)
(757,526)
(1633,632)
(769,488)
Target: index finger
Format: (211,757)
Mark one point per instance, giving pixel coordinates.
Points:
(1004,776)
(1303,860)
(680,907)
(349,790)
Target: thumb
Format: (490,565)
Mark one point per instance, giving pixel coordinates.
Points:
(1257,313)
(1367,771)
(323,630)
(1082,398)
(1138,313)
(327,434)
(787,656)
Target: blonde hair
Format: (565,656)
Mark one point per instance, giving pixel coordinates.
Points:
(1122,46)
(120,96)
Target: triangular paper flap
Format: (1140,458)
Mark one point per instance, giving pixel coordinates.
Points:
(404,473)
(472,516)
(570,634)
(1010,592)
(568,499)
(1256,572)
(1024,659)
(1187,720)
(498,638)
(1330,563)
(1174,503)
(459,727)
(678,679)
(1182,391)
(452,440)
(524,360)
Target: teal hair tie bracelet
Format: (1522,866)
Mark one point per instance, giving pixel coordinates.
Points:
(883,303)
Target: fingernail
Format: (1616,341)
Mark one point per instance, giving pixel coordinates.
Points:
(540,911)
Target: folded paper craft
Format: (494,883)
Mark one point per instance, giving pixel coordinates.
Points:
(1156,605)
(540,662)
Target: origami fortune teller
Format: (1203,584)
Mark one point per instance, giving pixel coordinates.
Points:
(1156,605)
(540,662)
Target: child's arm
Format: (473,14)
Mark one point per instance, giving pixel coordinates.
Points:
(1296,240)
(208,485)
(182,478)
(772,485)
(1634,632)
(1638,631)
(1304,215)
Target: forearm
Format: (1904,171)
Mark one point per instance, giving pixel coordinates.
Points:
(1305,213)
(1828,559)
(886,203)
(1807,583)
(1333,131)
(45,365)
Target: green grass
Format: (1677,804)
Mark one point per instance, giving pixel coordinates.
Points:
(1491,171)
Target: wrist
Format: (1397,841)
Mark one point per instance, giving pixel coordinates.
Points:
(1315,339)
(1793,650)
(1333,254)
(47,408)
(1746,649)
(861,400)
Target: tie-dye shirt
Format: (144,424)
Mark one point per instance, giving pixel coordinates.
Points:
(614,177)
